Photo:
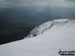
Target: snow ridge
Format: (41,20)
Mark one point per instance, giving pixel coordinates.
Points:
(59,34)
(48,25)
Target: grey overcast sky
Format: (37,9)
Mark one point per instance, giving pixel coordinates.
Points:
(26,3)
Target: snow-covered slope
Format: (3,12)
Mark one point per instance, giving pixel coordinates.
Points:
(57,34)
(48,25)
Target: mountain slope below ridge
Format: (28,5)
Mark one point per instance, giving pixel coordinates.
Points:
(48,25)
(60,36)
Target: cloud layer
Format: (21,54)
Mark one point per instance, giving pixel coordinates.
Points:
(26,3)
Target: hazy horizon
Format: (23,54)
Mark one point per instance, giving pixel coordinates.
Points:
(37,3)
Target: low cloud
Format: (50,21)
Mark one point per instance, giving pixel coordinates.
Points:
(71,0)
(26,3)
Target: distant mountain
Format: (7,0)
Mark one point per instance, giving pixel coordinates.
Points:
(17,22)
(52,36)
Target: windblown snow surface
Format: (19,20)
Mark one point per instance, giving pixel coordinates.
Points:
(47,39)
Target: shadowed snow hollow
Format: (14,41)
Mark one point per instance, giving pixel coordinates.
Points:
(49,38)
